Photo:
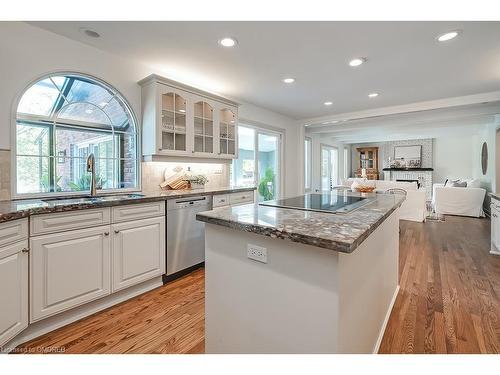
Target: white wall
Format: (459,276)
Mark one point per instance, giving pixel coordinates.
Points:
(292,143)
(29,52)
(454,157)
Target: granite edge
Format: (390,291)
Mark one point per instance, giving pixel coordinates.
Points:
(343,247)
(25,213)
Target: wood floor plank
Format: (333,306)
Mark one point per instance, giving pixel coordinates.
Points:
(450,269)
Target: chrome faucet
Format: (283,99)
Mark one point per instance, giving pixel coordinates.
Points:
(91,169)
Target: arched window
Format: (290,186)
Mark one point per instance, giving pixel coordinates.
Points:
(60,121)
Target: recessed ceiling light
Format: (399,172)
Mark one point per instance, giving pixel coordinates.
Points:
(89,111)
(103,104)
(357,61)
(182,110)
(447,36)
(373,95)
(228,42)
(89,32)
(328,103)
(289,80)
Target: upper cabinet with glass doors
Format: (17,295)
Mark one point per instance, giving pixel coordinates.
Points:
(179,120)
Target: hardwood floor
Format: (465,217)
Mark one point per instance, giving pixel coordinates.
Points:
(169,319)
(448,303)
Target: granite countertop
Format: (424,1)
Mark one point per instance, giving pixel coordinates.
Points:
(339,232)
(18,209)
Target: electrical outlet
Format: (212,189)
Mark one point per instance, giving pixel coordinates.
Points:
(257,253)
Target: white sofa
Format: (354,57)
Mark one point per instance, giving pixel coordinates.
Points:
(413,208)
(462,201)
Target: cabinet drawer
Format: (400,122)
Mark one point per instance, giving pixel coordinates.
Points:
(138,211)
(240,198)
(13,231)
(220,200)
(61,221)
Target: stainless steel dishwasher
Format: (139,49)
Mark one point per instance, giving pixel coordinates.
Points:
(185,235)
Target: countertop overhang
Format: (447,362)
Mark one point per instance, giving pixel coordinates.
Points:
(338,232)
(18,209)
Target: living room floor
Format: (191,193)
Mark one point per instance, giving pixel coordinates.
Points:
(449,302)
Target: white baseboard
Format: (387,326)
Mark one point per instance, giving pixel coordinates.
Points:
(57,321)
(386,320)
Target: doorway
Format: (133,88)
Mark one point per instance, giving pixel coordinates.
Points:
(329,167)
(259,161)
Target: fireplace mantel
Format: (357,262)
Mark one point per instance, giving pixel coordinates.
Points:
(409,169)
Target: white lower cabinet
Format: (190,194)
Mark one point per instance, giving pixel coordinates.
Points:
(13,289)
(138,251)
(69,269)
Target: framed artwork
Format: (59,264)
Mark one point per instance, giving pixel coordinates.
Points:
(408,156)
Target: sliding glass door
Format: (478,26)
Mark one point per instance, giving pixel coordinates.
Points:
(258,161)
(329,167)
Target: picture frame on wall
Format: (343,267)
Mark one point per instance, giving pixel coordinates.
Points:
(408,156)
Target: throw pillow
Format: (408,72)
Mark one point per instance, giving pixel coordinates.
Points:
(473,183)
(451,182)
(459,184)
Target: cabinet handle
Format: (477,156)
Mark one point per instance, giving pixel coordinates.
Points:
(106,233)
(26,250)
(117,231)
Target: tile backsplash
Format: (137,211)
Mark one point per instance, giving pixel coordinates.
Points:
(4,175)
(154,173)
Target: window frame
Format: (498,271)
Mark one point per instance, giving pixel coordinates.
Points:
(347,162)
(13,140)
(308,165)
(260,128)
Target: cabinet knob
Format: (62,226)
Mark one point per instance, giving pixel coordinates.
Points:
(26,250)
(192,151)
(117,231)
(106,233)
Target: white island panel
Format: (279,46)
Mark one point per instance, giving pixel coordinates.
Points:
(305,299)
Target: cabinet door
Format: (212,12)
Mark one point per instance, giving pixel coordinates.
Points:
(13,290)
(228,133)
(69,269)
(173,121)
(203,128)
(495,227)
(138,251)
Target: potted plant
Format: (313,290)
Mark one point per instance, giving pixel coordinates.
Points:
(196,181)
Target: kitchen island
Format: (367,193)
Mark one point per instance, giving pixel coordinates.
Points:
(324,282)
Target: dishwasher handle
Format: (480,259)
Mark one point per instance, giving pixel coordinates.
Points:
(189,202)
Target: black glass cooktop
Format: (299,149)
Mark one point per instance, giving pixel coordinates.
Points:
(327,202)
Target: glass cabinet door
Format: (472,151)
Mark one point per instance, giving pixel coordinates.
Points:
(203,127)
(173,122)
(227,132)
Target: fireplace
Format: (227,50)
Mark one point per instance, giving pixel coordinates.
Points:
(406,180)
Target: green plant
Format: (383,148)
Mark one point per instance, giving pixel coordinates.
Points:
(83,183)
(196,179)
(46,185)
(266,184)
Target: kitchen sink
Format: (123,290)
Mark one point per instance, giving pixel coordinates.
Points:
(82,199)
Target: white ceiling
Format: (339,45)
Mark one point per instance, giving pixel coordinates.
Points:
(459,120)
(405,63)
